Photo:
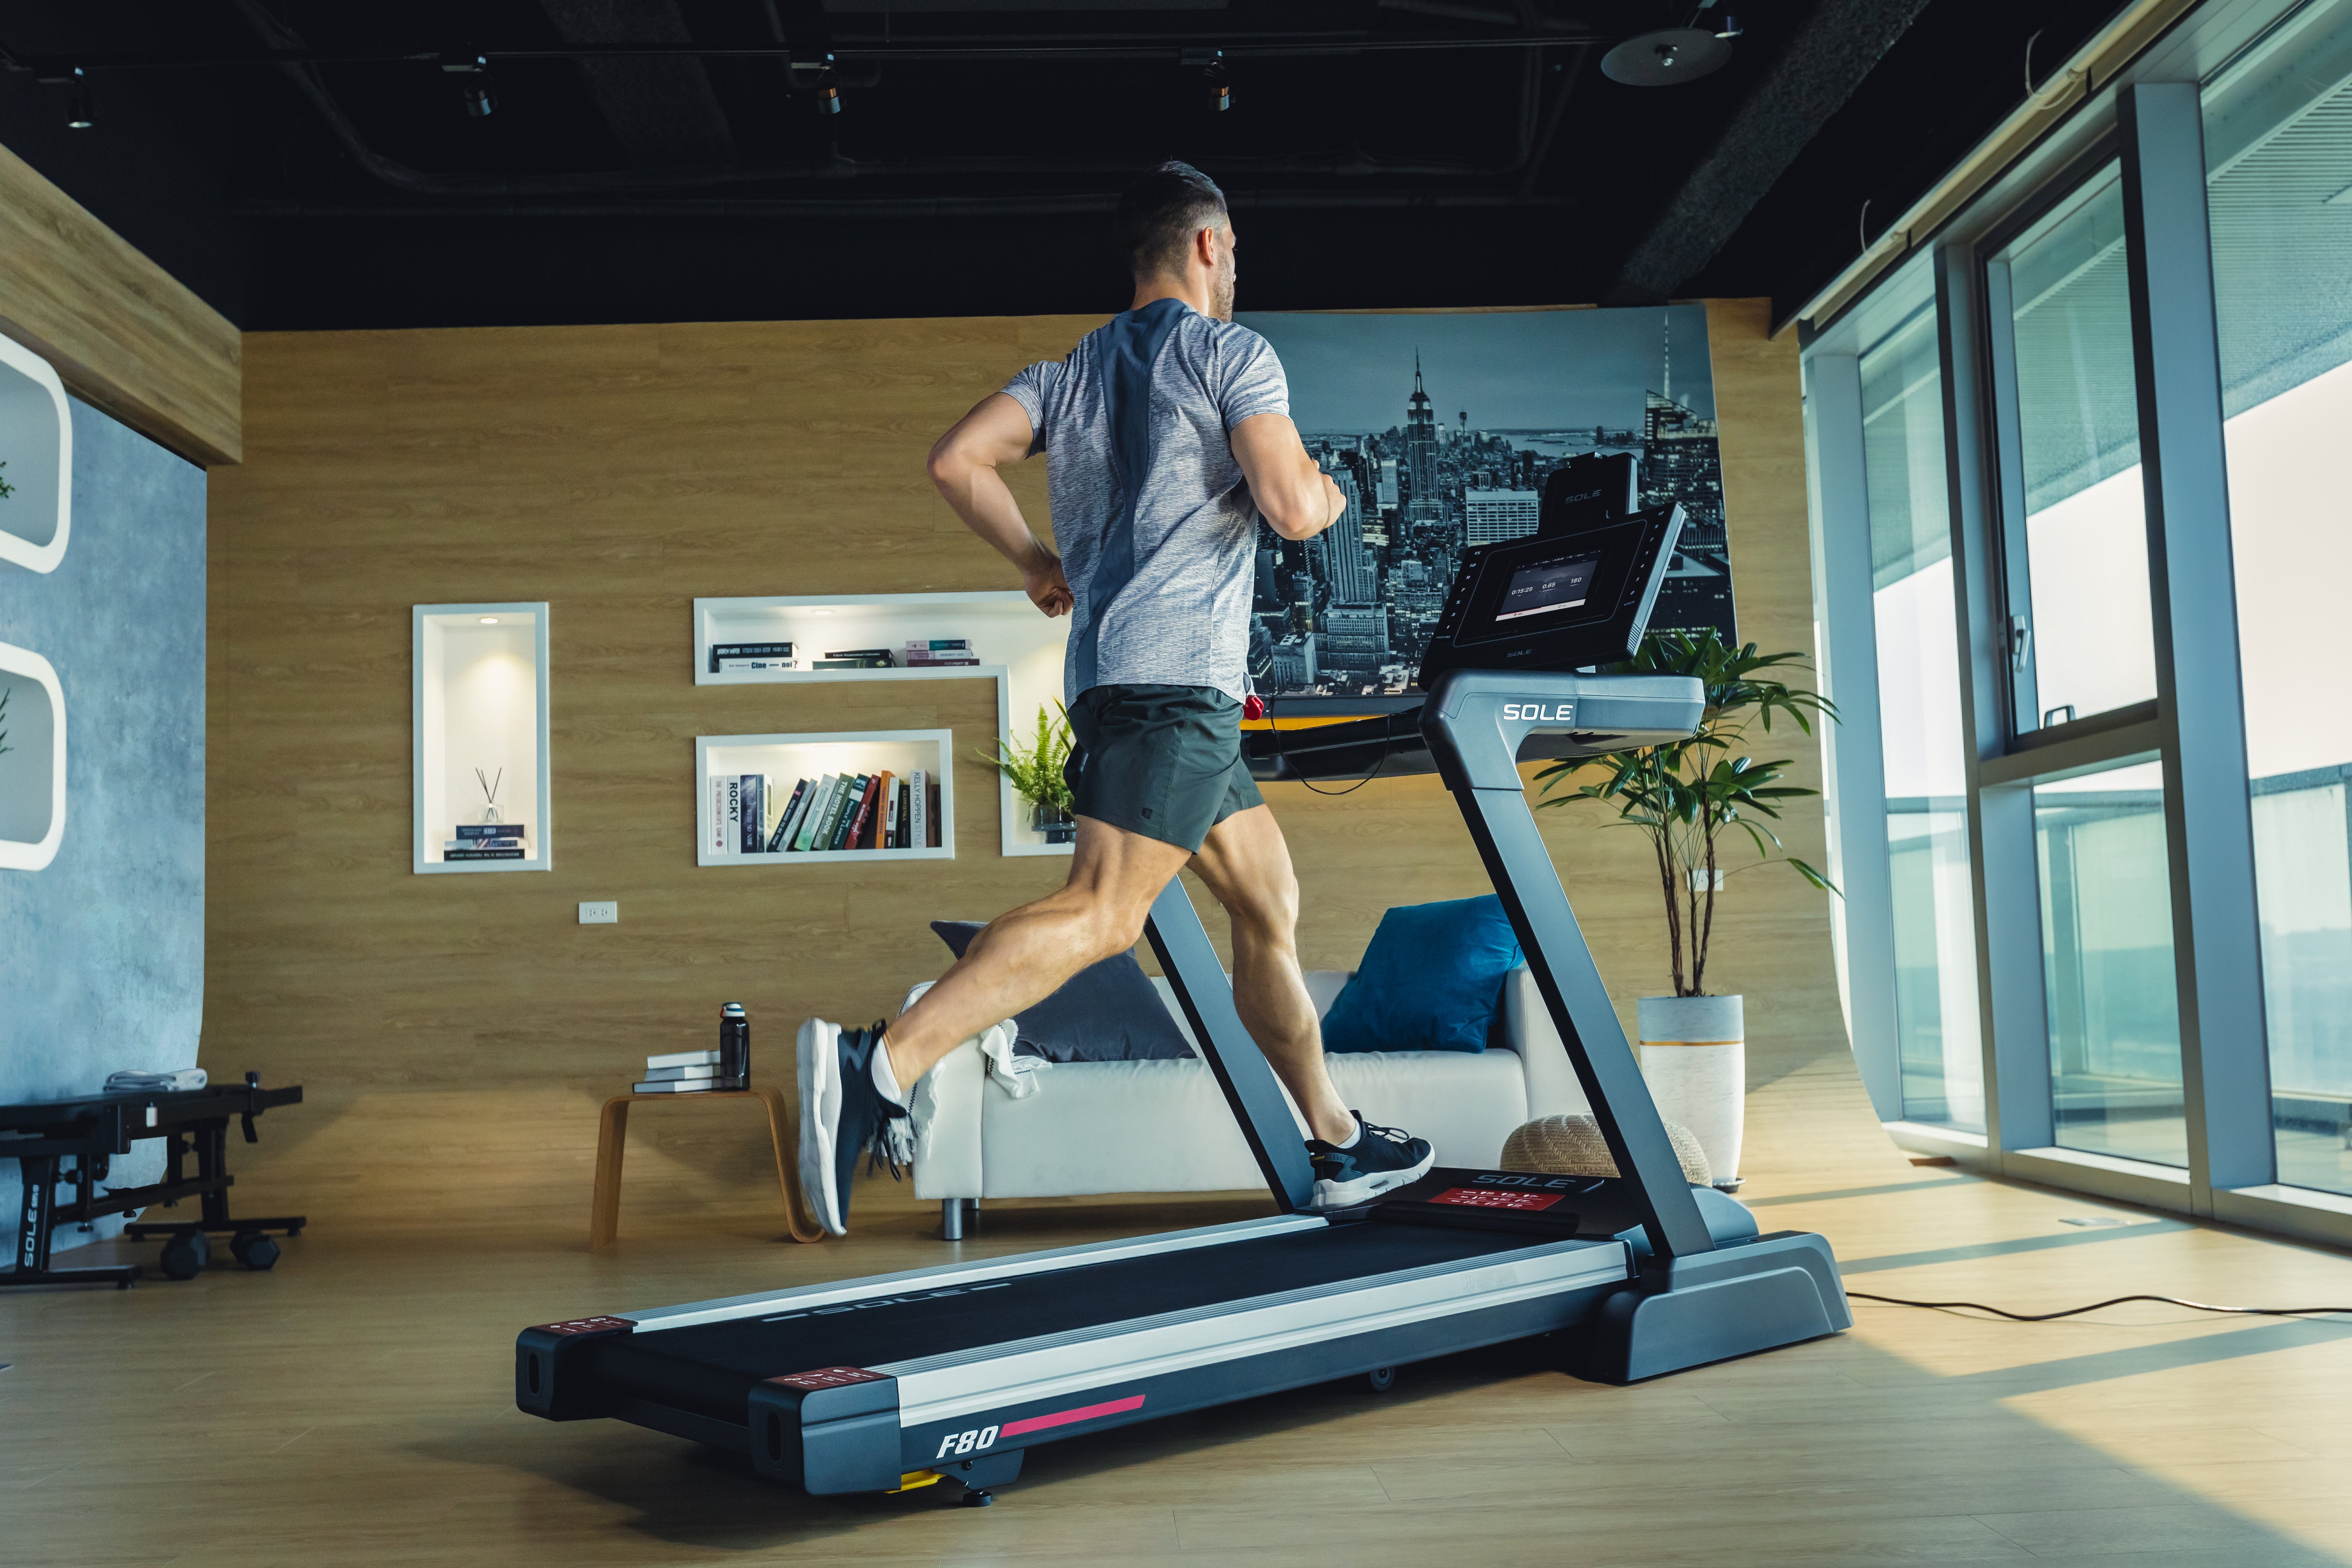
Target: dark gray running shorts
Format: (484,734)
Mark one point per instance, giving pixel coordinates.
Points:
(1161,761)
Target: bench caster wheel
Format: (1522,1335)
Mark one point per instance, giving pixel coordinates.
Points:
(255,1250)
(1381,1378)
(976,1497)
(185,1255)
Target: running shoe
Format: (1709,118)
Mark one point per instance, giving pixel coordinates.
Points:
(842,1115)
(1380,1158)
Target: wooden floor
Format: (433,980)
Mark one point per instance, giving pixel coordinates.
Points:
(354,1407)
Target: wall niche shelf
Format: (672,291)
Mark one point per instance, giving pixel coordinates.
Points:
(1017,647)
(33,769)
(785,759)
(480,703)
(36,444)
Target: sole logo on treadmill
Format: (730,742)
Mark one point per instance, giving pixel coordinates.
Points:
(1540,712)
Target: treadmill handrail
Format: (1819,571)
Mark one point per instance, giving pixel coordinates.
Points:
(1475,722)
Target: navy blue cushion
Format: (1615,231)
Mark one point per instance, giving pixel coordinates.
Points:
(1107,1012)
(1431,981)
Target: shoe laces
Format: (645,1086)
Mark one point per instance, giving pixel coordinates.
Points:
(892,1147)
(1396,1135)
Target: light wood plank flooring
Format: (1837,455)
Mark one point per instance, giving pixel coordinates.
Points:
(354,1407)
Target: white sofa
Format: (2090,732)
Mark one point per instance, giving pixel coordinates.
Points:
(1164,1127)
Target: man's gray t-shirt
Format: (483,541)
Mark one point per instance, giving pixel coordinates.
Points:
(1155,524)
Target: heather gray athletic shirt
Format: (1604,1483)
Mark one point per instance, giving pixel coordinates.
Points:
(1154,520)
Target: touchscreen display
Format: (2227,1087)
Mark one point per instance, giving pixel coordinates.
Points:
(1546,587)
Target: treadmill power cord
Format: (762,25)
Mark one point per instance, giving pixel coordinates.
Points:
(1274,729)
(2096,1306)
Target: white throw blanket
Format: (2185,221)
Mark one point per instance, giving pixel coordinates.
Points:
(1016,1075)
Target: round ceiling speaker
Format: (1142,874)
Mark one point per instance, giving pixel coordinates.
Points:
(1666,57)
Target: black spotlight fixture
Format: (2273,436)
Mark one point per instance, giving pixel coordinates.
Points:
(1211,64)
(82,113)
(473,75)
(1666,57)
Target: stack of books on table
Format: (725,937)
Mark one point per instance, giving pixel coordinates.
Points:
(750,816)
(856,658)
(683,1072)
(929,653)
(486,841)
(745,658)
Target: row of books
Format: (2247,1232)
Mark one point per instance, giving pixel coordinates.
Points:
(486,841)
(838,811)
(684,1072)
(762,658)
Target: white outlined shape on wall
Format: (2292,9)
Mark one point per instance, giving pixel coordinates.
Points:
(36,444)
(33,769)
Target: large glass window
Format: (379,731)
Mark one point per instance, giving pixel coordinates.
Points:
(1940,1054)
(2061,295)
(2278,142)
(2106,954)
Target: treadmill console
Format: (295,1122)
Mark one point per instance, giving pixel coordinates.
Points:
(1570,601)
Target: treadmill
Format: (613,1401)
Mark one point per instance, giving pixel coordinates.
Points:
(898,1381)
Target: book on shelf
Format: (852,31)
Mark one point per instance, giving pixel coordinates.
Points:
(755,806)
(862,814)
(939,645)
(813,815)
(827,836)
(700,1072)
(714,839)
(448,844)
(470,853)
(917,802)
(937,661)
(725,814)
(748,666)
(890,794)
(906,816)
(676,1086)
(681,1059)
(723,651)
(859,662)
(850,795)
(931,839)
(782,835)
(884,653)
(488,830)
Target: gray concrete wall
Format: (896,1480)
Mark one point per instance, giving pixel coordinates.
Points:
(101,953)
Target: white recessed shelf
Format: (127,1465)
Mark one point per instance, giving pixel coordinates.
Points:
(32,761)
(37,445)
(783,760)
(480,706)
(1019,648)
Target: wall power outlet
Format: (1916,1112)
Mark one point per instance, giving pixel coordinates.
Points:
(606,912)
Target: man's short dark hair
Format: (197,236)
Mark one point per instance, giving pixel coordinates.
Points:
(1161,214)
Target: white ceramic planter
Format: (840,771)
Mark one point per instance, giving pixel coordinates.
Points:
(1694,1055)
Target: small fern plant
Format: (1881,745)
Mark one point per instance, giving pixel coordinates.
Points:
(6,490)
(1036,771)
(4,747)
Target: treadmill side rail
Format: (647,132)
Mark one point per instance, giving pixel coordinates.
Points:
(827,1436)
(1753,1296)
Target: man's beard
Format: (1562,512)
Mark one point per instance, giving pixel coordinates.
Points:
(1221,296)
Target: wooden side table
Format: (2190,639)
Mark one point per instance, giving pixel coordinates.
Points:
(611,1139)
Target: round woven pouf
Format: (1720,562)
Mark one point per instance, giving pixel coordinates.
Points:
(1573,1146)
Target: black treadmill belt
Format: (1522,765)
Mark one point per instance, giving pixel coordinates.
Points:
(710,1368)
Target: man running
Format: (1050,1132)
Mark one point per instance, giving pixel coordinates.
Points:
(1167,435)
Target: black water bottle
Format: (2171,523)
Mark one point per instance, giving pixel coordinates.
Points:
(734,1048)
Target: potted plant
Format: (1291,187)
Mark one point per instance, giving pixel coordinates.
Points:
(1036,775)
(1690,798)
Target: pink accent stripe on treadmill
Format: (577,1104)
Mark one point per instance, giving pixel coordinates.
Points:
(1063,1417)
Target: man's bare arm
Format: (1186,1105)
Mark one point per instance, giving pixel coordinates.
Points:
(1296,497)
(964,466)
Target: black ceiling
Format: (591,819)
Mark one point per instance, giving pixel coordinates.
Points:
(310,164)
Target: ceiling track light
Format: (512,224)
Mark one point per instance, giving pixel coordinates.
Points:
(82,112)
(1211,64)
(473,74)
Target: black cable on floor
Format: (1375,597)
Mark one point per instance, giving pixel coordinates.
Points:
(2096,1306)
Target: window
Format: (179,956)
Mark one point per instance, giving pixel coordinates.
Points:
(2059,302)
(1940,1047)
(2106,956)
(2278,143)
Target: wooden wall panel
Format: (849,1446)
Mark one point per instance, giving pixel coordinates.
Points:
(122,332)
(618,472)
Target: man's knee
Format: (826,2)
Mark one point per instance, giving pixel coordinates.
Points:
(1266,912)
(1112,931)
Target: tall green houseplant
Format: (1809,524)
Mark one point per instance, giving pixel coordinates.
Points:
(1688,796)
(1036,771)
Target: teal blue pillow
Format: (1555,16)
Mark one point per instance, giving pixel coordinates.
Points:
(1431,981)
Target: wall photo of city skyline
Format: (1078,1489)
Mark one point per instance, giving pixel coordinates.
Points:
(1440,429)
